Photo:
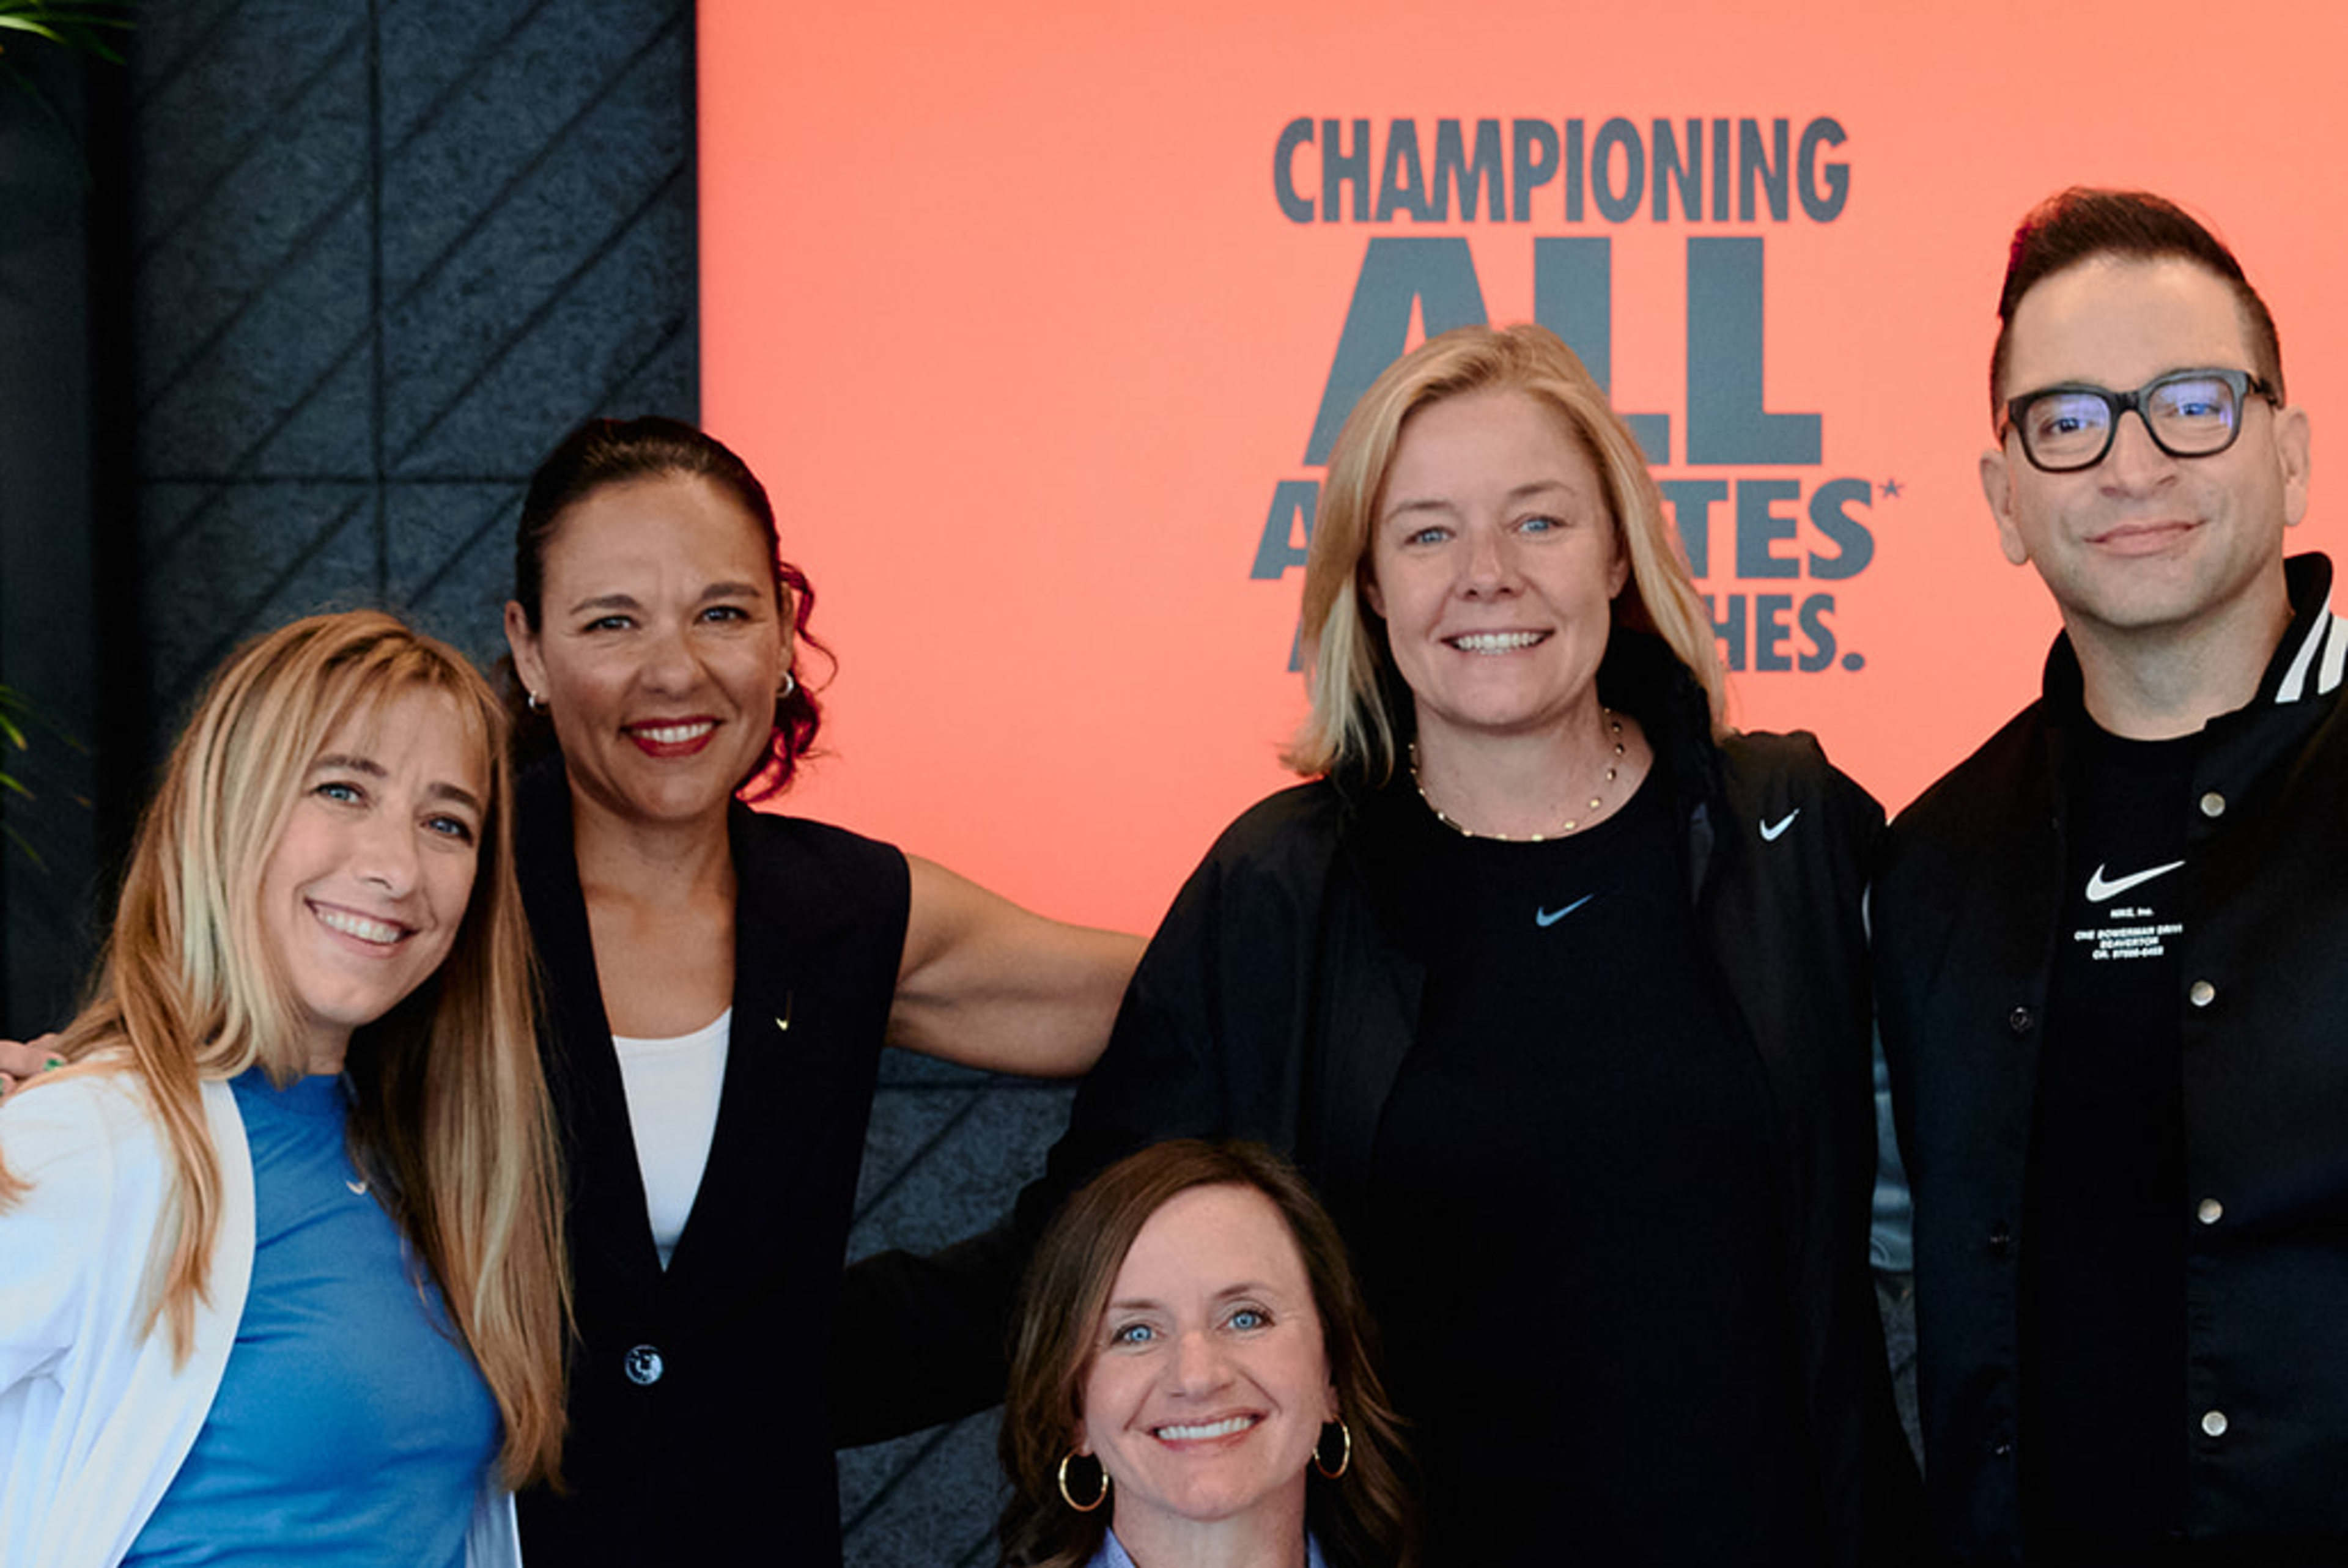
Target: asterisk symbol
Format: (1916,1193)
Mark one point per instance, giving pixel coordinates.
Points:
(1889,489)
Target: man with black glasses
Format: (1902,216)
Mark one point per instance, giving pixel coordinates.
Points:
(2112,950)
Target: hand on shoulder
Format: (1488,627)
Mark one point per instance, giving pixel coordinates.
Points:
(22,1060)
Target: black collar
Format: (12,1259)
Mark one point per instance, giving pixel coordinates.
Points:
(2308,662)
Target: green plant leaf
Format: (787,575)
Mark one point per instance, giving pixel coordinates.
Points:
(23,849)
(77,27)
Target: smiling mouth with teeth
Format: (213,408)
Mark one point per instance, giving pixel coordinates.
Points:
(673,734)
(1495,641)
(378,932)
(1222,1429)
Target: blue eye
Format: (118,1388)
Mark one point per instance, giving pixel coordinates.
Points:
(608,623)
(1250,1317)
(1133,1334)
(726,612)
(1541,524)
(339,790)
(455,827)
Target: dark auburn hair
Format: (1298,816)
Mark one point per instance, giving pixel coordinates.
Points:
(605,452)
(1368,1517)
(2082,223)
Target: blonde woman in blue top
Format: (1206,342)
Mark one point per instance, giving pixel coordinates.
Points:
(284,1275)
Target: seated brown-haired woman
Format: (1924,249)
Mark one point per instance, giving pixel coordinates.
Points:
(1195,1354)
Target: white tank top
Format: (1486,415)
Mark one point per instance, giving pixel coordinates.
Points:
(672,1086)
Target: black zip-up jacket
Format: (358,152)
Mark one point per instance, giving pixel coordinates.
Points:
(1274,1005)
(1966,911)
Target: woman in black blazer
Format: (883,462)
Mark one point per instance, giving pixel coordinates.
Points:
(720,982)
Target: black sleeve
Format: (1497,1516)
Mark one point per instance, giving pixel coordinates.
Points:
(1804,943)
(1892,1508)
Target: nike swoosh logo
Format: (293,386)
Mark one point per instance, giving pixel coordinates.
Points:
(1773,831)
(1545,918)
(2098,889)
(357,1187)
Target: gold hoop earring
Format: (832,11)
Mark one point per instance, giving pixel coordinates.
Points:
(1344,1458)
(1070,1497)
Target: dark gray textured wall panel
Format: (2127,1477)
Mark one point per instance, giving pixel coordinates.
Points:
(217,568)
(234,348)
(904,1128)
(928,1500)
(239,96)
(466,381)
(528,138)
(960,1179)
(540,253)
(450,554)
(432,51)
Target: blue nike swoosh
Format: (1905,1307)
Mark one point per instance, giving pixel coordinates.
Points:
(1545,918)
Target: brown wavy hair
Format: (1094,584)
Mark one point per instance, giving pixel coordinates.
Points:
(450,1119)
(1366,1519)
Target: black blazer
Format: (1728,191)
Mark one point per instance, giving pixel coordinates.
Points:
(697,1395)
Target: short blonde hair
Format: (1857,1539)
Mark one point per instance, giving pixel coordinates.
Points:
(1351,727)
(450,1114)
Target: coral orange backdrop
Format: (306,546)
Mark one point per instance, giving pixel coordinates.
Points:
(1029,314)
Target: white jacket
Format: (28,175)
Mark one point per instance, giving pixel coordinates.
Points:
(95,1417)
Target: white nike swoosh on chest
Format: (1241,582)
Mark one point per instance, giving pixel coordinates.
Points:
(2098,889)
(1772,830)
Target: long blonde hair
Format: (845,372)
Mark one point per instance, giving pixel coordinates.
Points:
(1350,728)
(450,1116)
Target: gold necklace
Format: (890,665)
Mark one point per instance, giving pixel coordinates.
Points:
(1613,771)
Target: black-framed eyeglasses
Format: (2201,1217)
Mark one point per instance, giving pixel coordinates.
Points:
(2188,413)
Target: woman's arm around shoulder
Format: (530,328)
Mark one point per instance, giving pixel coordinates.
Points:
(988,984)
